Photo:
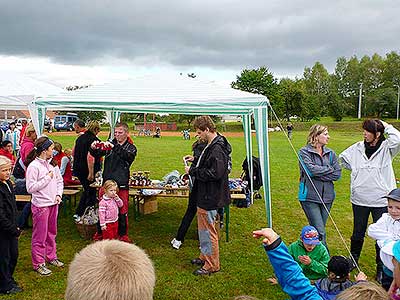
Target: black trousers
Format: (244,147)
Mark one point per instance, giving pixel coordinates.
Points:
(360,223)
(187,219)
(8,262)
(88,197)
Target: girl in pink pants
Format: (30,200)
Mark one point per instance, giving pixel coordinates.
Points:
(45,183)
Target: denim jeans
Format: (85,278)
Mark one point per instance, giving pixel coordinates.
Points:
(317,215)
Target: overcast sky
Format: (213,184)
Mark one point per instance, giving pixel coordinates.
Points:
(87,40)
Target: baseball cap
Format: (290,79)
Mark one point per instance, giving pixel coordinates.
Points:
(309,235)
(394,195)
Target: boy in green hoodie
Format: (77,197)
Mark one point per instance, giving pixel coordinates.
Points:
(310,254)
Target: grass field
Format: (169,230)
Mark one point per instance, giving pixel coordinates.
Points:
(244,265)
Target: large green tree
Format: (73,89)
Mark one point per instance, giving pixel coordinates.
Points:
(258,81)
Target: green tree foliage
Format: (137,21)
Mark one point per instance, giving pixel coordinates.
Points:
(319,93)
(336,106)
(317,82)
(258,81)
(292,94)
(391,72)
(381,103)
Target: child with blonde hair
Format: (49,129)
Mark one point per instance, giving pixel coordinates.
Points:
(108,210)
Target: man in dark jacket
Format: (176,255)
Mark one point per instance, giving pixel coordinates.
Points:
(210,191)
(117,163)
(85,167)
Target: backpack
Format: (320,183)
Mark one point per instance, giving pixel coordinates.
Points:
(257,175)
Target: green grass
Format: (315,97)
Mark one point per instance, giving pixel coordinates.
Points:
(244,265)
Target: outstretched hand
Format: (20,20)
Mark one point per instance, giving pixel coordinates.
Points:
(360,277)
(268,234)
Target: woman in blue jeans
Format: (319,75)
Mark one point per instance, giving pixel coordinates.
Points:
(319,167)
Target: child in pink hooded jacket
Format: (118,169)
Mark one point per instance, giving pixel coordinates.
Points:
(45,183)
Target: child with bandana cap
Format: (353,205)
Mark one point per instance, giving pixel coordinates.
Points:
(338,279)
(310,254)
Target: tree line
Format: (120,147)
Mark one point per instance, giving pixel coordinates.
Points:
(318,93)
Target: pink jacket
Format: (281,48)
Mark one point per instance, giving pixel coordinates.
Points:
(43,188)
(108,209)
(26,146)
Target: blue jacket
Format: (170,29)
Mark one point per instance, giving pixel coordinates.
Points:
(289,273)
(323,170)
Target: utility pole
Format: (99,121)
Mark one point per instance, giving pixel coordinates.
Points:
(359,101)
(398,100)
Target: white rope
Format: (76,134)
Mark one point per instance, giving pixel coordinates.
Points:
(315,188)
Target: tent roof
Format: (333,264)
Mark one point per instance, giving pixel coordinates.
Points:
(17,90)
(176,94)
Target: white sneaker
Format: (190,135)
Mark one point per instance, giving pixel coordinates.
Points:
(176,244)
(76,218)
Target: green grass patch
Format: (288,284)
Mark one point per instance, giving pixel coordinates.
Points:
(244,265)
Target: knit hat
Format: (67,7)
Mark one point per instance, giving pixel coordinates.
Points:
(340,266)
(393,195)
(309,235)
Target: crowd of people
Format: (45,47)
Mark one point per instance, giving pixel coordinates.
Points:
(305,269)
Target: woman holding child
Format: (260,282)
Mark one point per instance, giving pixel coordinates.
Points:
(319,167)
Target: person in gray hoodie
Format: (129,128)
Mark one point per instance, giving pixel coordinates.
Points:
(319,167)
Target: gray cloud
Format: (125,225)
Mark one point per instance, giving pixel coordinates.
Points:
(284,35)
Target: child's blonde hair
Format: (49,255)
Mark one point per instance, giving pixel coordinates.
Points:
(109,184)
(364,290)
(5,162)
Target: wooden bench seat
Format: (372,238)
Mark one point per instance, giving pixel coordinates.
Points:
(23,198)
(238,196)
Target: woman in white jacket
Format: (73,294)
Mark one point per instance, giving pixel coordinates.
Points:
(372,178)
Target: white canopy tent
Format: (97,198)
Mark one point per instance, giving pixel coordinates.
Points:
(18,91)
(174,95)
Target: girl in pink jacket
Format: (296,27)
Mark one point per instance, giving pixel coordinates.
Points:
(45,183)
(108,210)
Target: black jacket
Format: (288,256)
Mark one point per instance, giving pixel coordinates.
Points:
(82,147)
(117,162)
(211,188)
(8,211)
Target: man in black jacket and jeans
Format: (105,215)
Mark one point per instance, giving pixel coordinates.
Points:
(117,162)
(210,190)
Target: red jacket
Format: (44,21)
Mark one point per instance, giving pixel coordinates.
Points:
(8,155)
(67,177)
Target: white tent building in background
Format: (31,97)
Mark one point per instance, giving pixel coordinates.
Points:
(17,91)
(173,95)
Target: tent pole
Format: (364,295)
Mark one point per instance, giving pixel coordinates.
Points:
(261,122)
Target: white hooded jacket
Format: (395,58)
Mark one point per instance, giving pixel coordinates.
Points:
(372,178)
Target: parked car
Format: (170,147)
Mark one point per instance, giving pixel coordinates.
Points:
(65,122)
